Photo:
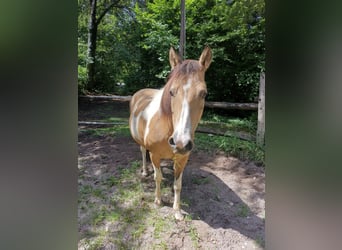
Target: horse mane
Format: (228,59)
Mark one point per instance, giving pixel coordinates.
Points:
(178,73)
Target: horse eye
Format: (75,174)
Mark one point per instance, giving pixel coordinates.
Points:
(203,93)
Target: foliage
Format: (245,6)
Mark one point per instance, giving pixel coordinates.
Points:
(133,45)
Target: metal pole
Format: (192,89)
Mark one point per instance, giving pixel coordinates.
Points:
(182,32)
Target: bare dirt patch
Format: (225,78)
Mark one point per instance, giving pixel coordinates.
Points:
(223,198)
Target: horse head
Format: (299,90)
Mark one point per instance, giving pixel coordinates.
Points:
(184,96)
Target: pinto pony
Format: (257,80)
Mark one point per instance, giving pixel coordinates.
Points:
(164,121)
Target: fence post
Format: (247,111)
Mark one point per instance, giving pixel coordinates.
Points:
(261,112)
(182,31)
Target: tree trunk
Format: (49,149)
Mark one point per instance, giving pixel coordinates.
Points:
(91,53)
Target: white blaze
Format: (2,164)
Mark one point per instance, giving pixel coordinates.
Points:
(182,131)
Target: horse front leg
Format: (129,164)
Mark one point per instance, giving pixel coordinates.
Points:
(158,176)
(178,166)
(177,186)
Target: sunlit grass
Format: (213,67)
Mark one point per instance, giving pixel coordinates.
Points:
(193,233)
(122,208)
(244,150)
(212,120)
(129,209)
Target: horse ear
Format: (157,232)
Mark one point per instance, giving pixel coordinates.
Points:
(174,58)
(205,58)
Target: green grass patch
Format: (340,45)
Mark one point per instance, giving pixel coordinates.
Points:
(159,227)
(244,150)
(123,208)
(111,181)
(160,246)
(200,180)
(97,243)
(165,189)
(242,211)
(99,193)
(84,191)
(99,215)
(185,202)
(212,120)
(116,119)
(194,236)
(260,241)
(116,130)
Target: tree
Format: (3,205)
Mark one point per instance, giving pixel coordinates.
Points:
(131,44)
(94,21)
(235,30)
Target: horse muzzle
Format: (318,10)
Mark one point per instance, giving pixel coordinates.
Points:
(181,148)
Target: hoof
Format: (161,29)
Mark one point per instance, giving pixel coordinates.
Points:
(157,202)
(178,215)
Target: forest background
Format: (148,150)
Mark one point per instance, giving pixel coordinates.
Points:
(123,45)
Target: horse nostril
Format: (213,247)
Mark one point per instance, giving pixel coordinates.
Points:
(172,142)
(189,146)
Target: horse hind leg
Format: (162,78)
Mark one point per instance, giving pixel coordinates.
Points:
(178,166)
(143,153)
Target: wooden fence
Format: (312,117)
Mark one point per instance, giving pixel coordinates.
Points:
(260,106)
(220,105)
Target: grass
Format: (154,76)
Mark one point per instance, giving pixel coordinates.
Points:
(185,202)
(244,150)
(97,243)
(230,123)
(128,208)
(159,227)
(194,236)
(116,119)
(124,209)
(111,181)
(84,191)
(242,211)
(99,216)
(117,130)
(200,180)
(159,246)
(260,241)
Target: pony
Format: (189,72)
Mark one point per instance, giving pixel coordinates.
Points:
(163,122)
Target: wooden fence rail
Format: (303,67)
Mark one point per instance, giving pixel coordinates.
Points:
(260,106)
(220,105)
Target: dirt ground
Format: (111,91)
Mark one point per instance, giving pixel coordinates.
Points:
(224,197)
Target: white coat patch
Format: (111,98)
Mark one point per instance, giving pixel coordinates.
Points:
(151,110)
